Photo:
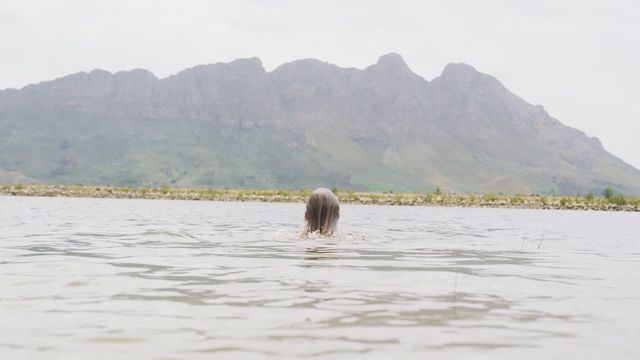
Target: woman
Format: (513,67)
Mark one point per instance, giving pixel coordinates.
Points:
(323,212)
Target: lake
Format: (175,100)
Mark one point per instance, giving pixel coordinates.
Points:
(155,279)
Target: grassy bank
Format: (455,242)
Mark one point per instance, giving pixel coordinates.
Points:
(608,201)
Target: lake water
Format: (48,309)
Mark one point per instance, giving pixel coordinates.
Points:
(153,279)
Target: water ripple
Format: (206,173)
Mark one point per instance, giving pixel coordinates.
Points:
(162,279)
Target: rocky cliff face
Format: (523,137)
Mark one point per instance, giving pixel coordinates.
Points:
(307,123)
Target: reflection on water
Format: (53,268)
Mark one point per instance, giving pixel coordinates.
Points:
(175,279)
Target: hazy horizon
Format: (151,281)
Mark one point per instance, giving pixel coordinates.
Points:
(574,58)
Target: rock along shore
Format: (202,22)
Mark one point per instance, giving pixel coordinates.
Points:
(530,201)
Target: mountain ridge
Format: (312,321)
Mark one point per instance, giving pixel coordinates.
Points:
(304,123)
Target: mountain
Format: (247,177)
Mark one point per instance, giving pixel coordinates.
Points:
(305,124)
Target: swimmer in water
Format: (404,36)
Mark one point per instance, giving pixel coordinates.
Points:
(323,212)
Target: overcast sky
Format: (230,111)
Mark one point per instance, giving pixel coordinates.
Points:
(579,59)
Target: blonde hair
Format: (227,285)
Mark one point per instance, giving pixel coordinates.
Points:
(323,211)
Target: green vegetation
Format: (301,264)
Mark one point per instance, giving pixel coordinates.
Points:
(588,201)
(164,188)
(543,200)
(588,198)
(614,198)
(516,199)
(489,197)
(618,199)
(607,193)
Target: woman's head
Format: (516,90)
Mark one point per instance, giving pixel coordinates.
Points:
(323,211)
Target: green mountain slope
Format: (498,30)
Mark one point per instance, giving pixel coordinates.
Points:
(305,124)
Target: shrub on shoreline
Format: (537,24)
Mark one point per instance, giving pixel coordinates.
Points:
(617,199)
(588,198)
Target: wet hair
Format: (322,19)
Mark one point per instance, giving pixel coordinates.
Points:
(323,211)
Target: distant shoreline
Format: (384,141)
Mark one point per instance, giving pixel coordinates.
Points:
(487,200)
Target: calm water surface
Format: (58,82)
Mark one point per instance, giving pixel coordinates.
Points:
(152,279)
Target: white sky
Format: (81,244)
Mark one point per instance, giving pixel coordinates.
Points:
(578,58)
